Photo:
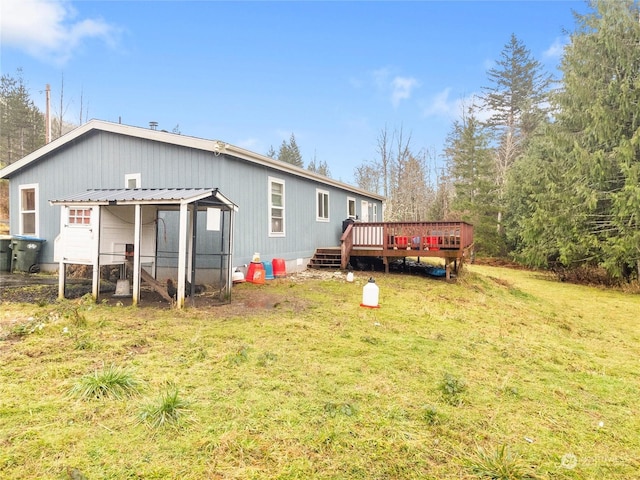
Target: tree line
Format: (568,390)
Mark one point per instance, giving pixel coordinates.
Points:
(547,170)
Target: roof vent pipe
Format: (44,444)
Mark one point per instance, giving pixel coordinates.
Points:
(153,125)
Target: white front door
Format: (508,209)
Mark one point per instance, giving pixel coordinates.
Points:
(364,211)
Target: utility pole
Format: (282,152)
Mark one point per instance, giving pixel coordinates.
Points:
(48,115)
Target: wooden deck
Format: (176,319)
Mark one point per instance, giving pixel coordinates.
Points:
(451,241)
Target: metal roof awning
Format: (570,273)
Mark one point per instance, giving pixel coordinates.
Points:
(148,196)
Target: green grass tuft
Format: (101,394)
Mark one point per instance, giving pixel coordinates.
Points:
(452,388)
(499,465)
(167,411)
(110,382)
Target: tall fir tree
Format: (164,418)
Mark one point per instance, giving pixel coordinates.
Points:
(591,152)
(516,98)
(471,169)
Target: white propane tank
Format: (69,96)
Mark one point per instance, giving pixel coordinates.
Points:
(350,277)
(370,294)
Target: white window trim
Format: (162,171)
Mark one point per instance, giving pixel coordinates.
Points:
(375,212)
(133,176)
(355,208)
(36,195)
(326,217)
(271,181)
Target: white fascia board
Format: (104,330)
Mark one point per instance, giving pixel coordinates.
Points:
(77,204)
(292,169)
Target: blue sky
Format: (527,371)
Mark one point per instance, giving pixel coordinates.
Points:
(251,73)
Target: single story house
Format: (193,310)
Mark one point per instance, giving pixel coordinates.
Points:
(268,206)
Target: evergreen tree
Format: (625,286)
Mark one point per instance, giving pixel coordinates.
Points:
(323,169)
(21,123)
(600,106)
(542,214)
(516,97)
(470,165)
(271,153)
(290,153)
(319,167)
(588,208)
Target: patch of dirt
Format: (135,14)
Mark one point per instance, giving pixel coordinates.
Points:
(498,262)
(500,281)
(245,297)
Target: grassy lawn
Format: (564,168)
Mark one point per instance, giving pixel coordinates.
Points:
(504,374)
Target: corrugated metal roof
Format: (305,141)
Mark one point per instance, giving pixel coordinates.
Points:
(143,195)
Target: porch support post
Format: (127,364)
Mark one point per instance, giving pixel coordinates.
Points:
(62,278)
(95,292)
(62,270)
(193,231)
(230,226)
(182,253)
(136,254)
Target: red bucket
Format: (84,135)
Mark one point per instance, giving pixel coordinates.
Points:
(279,267)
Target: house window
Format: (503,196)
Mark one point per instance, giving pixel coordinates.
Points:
(276,207)
(375,212)
(322,206)
(132,180)
(351,207)
(29,210)
(79,216)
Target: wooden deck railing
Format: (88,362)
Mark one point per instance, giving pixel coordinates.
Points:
(448,239)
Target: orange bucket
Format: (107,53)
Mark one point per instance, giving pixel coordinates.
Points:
(255,273)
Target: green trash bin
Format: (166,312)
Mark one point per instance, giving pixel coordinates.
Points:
(5,253)
(26,254)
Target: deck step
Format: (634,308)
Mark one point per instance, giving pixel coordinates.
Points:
(326,258)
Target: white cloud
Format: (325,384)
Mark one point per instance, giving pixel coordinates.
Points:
(556,49)
(381,78)
(488,64)
(252,144)
(439,104)
(402,88)
(398,88)
(49,29)
(442,105)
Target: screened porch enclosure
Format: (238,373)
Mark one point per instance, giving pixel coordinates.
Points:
(152,235)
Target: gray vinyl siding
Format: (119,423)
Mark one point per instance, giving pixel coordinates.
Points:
(101,159)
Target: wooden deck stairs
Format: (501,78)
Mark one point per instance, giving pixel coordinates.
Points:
(328,257)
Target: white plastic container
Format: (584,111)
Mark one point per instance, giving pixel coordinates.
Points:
(238,276)
(350,277)
(370,294)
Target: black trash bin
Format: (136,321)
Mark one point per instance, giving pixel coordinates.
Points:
(26,254)
(346,223)
(5,253)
